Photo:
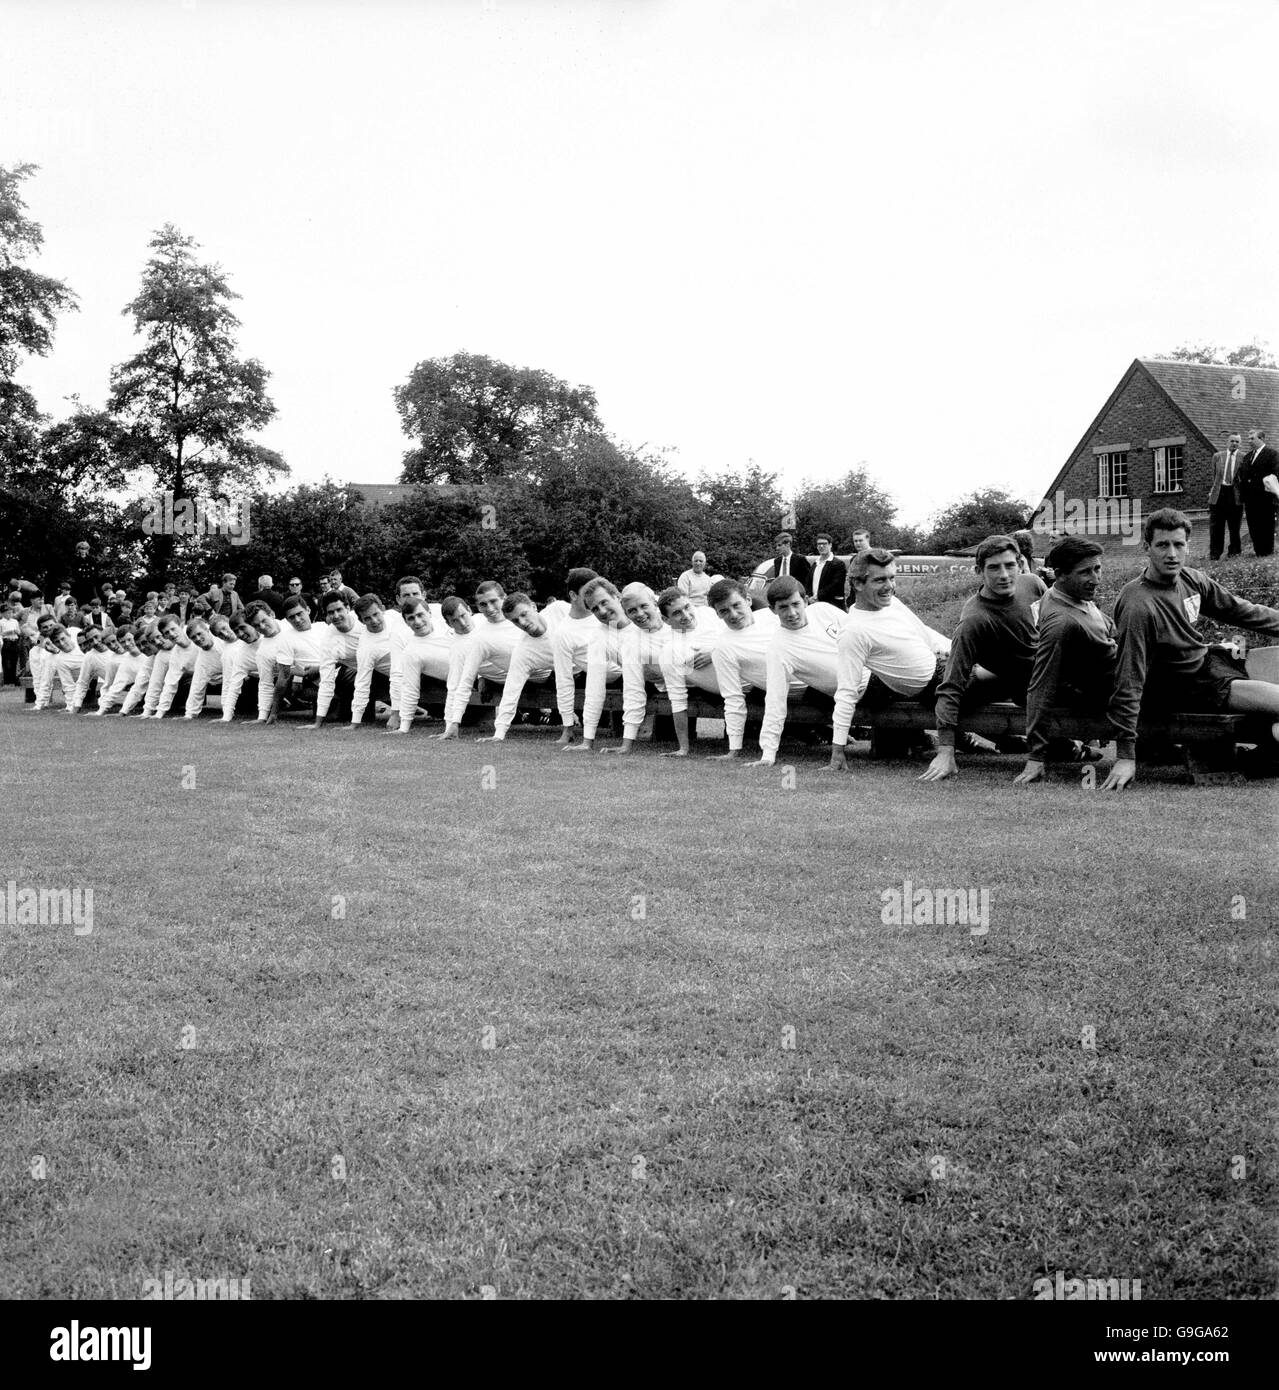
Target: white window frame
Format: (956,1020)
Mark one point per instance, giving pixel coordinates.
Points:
(1163,474)
(1108,462)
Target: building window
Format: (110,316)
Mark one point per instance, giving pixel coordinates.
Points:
(1169,466)
(1112,475)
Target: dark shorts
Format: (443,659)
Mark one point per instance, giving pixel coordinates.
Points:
(877,694)
(1204,692)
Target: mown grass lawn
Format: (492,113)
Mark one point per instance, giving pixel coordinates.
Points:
(613,1028)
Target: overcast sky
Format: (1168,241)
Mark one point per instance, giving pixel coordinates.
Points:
(928,235)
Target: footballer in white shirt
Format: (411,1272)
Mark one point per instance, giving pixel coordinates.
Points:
(686,657)
(531,659)
(604,657)
(740,656)
(427,651)
(482,649)
(804,648)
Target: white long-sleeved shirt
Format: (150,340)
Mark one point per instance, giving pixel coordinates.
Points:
(678,671)
(740,660)
(239,662)
(207,671)
(141,684)
(45,671)
(182,662)
(309,647)
(485,651)
(273,652)
(159,672)
(807,656)
(340,650)
(378,651)
(126,673)
(641,661)
(893,643)
(422,656)
(603,658)
(66,668)
(532,660)
(570,651)
(100,666)
(40,660)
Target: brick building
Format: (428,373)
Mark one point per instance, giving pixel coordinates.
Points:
(1151,446)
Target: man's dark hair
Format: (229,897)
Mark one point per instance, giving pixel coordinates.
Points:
(1070,551)
(293,603)
(333,596)
(781,589)
(994,545)
(667,597)
(365,602)
(251,610)
(409,579)
(489,586)
(451,606)
(512,601)
(1165,519)
(578,579)
(724,588)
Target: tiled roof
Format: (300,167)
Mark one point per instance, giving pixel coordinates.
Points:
(381,494)
(1209,396)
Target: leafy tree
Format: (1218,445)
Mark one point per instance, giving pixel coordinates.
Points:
(627,515)
(476,419)
(1254,354)
(852,503)
(452,540)
(36,522)
(741,513)
(184,407)
(987,512)
(29,302)
(305,531)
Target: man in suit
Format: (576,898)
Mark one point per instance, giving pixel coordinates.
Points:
(1258,503)
(182,605)
(786,562)
(1225,508)
(829,576)
(266,594)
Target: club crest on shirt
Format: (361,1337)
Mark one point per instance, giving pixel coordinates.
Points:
(1191,604)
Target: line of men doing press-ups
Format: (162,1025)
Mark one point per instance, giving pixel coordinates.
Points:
(1016,639)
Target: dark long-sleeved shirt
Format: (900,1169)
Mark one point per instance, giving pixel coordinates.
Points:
(998,634)
(1076,651)
(1155,622)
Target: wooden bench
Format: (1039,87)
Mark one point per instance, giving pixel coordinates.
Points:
(1207,741)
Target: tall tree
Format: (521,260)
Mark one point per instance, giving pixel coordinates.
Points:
(29,302)
(38,520)
(986,512)
(741,513)
(476,419)
(1254,354)
(185,406)
(854,502)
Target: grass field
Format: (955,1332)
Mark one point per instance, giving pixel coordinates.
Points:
(593,1027)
